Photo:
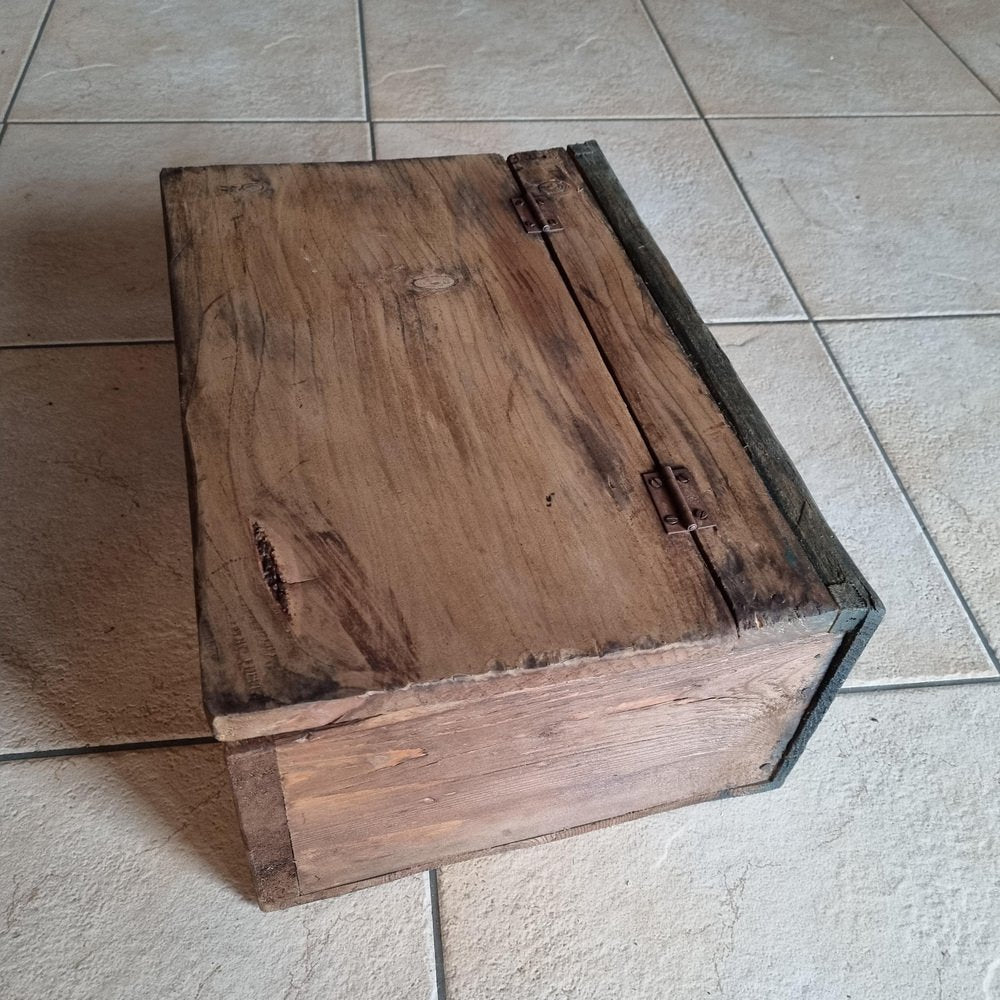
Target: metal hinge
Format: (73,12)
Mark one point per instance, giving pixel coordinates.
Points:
(535,208)
(537,214)
(676,500)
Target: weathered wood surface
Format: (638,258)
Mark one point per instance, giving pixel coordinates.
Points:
(438,614)
(326,712)
(765,574)
(409,460)
(253,773)
(860,610)
(435,782)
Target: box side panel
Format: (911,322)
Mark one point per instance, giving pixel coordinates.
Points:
(253,773)
(435,783)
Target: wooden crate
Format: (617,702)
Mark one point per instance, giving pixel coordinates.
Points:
(491,544)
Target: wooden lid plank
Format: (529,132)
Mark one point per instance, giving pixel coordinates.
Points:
(409,459)
(762,568)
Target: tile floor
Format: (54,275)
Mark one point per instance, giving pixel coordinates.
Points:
(824,179)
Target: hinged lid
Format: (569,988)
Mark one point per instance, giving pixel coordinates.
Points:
(417,440)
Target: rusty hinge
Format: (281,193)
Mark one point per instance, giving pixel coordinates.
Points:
(537,215)
(534,208)
(677,502)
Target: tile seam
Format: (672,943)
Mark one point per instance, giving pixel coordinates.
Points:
(437,935)
(923,20)
(365,85)
(9,106)
(89,750)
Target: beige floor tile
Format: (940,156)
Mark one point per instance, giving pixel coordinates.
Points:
(518,59)
(82,255)
(926,635)
(18,28)
(872,873)
(125,877)
(878,217)
(839,57)
(971,28)
(98,612)
(191,61)
(677,180)
(930,390)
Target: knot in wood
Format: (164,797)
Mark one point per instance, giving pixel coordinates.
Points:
(432,282)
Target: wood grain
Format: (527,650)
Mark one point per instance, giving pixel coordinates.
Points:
(860,610)
(436,782)
(756,556)
(472,688)
(409,460)
(253,773)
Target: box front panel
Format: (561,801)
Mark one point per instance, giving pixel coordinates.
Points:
(434,783)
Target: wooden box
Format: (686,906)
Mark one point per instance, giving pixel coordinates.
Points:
(491,544)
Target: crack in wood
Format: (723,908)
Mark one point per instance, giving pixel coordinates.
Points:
(269,568)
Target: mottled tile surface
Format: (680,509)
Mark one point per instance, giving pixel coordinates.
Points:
(518,59)
(926,635)
(838,57)
(878,217)
(972,29)
(931,389)
(187,60)
(98,612)
(873,872)
(125,877)
(677,180)
(19,24)
(82,256)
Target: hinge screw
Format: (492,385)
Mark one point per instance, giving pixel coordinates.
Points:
(669,519)
(699,513)
(656,482)
(682,477)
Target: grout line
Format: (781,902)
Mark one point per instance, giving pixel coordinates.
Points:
(673,62)
(346,121)
(186,121)
(363,48)
(511,121)
(525,119)
(751,116)
(884,318)
(24,69)
(937,682)
(906,316)
(184,741)
(438,943)
(920,17)
(990,653)
(83,343)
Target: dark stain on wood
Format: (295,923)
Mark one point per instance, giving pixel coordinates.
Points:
(269,567)
(372,619)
